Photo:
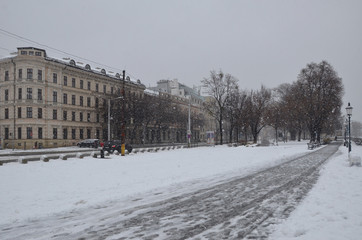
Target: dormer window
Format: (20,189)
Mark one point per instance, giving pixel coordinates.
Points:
(103,71)
(88,67)
(72,62)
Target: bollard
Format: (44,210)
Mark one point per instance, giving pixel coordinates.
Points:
(44,158)
(22,160)
(102,153)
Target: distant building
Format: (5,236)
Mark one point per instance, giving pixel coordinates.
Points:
(48,102)
(185,96)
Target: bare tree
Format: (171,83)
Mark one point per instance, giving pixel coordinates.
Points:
(320,95)
(257,104)
(219,87)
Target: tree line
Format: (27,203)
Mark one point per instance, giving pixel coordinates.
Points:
(149,118)
(310,104)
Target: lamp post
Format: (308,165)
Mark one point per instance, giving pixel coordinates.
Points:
(349,114)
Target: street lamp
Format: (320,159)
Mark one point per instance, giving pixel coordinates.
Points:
(349,114)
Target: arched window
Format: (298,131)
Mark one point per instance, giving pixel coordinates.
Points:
(88,67)
(72,62)
(103,71)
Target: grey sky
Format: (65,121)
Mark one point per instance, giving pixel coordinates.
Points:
(258,42)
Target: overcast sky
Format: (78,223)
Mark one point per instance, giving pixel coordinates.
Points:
(258,42)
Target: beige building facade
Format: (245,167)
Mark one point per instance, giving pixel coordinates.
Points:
(47,102)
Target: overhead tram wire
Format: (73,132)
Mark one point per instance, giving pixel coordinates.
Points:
(24,39)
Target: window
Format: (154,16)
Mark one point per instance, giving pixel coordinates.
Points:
(73,99)
(73,82)
(55,133)
(40,113)
(20,93)
(81,134)
(65,133)
(6,133)
(65,115)
(104,88)
(40,94)
(88,133)
(37,53)
(40,133)
(73,133)
(73,116)
(111,90)
(88,117)
(97,87)
(6,113)
(40,75)
(23,53)
(19,112)
(6,75)
(29,93)
(19,132)
(55,78)
(81,101)
(29,73)
(29,112)
(6,95)
(29,132)
(31,53)
(89,86)
(65,81)
(65,98)
(55,96)
(97,133)
(97,103)
(55,113)
(81,84)
(20,73)
(88,101)
(97,117)
(81,117)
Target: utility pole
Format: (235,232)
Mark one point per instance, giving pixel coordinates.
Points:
(189,125)
(109,119)
(123,135)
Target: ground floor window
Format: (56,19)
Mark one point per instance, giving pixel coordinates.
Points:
(65,133)
(6,133)
(81,136)
(19,132)
(73,133)
(29,132)
(55,133)
(40,133)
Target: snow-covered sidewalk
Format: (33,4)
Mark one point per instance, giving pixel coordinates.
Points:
(333,208)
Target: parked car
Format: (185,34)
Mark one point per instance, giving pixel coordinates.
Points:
(111,146)
(93,143)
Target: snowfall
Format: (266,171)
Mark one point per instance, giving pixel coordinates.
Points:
(331,210)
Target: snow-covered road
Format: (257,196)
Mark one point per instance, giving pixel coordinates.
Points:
(238,207)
